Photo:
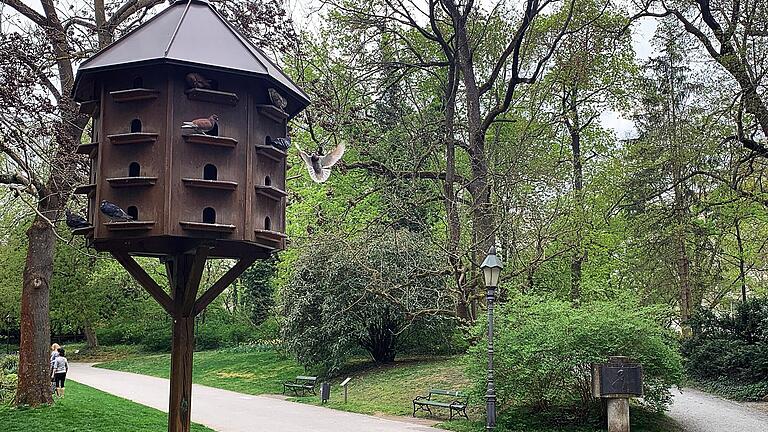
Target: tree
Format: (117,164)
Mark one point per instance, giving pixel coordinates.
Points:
(459,83)
(362,294)
(735,35)
(591,73)
(258,290)
(42,126)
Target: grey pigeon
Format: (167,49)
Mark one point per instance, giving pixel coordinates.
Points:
(201,125)
(76,221)
(114,212)
(281,143)
(319,166)
(195,80)
(277,99)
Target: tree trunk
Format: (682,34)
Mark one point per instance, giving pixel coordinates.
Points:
(34,387)
(683,262)
(451,208)
(90,335)
(483,235)
(574,129)
(742,271)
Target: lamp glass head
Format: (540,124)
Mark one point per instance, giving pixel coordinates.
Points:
(491,268)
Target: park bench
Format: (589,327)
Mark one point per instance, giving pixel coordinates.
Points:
(453,400)
(303,384)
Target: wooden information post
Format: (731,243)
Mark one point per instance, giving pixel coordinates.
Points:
(192,194)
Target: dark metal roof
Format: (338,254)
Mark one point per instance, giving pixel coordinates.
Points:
(191,32)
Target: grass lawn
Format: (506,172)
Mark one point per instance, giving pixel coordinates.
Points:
(252,372)
(373,390)
(85,409)
(79,352)
(390,389)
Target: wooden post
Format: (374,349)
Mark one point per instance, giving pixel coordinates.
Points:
(618,414)
(180,269)
(184,274)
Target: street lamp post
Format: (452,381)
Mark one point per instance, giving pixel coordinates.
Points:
(491,270)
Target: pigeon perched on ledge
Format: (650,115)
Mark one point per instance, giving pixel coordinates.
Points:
(76,221)
(280,143)
(319,166)
(114,212)
(195,80)
(277,99)
(201,125)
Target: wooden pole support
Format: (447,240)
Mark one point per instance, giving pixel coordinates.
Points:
(180,405)
(183,271)
(184,274)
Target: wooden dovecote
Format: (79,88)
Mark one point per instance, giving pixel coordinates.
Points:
(225,187)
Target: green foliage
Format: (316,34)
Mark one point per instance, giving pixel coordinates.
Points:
(544,351)
(258,291)
(729,350)
(9,367)
(523,420)
(363,294)
(86,409)
(152,330)
(9,364)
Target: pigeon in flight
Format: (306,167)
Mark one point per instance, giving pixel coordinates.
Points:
(76,221)
(280,143)
(195,80)
(277,99)
(113,212)
(319,166)
(201,125)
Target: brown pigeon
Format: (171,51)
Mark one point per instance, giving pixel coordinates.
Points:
(195,80)
(201,125)
(277,99)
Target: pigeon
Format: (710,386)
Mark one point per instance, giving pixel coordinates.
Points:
(277,99)
(201,125)
(319,166)
(113,212)
(280,143)
(195,80)
(76,221)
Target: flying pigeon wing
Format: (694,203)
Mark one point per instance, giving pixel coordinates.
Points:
(331,158)
(305,157)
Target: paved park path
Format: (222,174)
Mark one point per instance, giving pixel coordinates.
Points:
(696,411)
(226,411)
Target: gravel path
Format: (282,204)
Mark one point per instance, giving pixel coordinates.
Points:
(697,411)
(226,411)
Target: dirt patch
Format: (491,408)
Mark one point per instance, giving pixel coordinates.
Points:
(759,406)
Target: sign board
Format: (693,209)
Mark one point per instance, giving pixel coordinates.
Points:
(346,381)
(617,380)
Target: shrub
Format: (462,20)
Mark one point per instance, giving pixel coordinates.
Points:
(544,351)
(9,365)
(349,295)
(730,350)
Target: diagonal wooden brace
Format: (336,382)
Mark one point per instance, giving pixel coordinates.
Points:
(145,280)
(221,284)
